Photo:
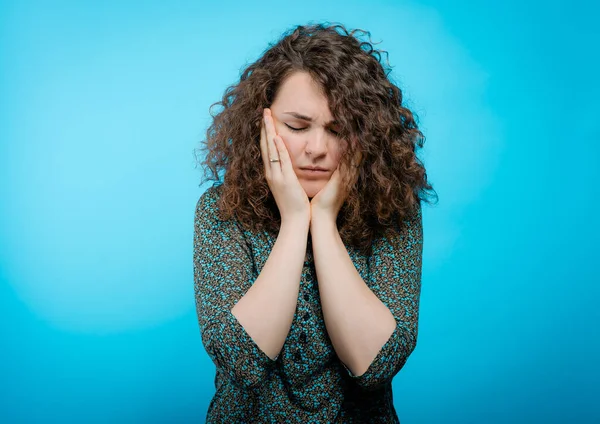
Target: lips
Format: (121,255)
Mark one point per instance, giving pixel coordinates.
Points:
(314,173)
(316,169)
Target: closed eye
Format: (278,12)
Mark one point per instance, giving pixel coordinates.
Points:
(296,129)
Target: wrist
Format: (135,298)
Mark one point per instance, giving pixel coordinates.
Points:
(296,223)
(322,221)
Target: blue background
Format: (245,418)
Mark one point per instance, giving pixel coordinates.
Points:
(101,106)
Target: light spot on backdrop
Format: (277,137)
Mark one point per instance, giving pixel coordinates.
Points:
(446,88)
(100,186)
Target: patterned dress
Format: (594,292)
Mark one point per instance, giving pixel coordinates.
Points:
(306,383)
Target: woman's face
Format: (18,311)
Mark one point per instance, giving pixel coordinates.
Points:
(304,122)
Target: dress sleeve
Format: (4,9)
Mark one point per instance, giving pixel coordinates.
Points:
(223,273)
(395,278)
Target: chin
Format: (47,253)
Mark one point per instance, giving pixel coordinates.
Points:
(312,188)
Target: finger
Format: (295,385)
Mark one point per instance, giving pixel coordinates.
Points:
(344,181)
(270,128)
(264,152)
(348,175)
(336,176)
(284,156)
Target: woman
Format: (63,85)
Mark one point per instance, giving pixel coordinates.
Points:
(307,249)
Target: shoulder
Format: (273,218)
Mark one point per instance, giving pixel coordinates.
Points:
(210,219)
(413,221)
(404,232)
(209,197)
(211,229)
(207,203)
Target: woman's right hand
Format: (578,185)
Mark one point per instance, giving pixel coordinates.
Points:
(289,195)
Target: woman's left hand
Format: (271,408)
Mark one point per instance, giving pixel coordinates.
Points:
(329,200)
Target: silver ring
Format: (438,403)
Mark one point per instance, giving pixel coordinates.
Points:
(274,160)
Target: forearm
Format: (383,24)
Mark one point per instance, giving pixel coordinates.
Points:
(357,322)
(267,309)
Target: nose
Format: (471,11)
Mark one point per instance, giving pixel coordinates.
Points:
(316,144)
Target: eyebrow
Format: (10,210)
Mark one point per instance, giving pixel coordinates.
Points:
(307,118)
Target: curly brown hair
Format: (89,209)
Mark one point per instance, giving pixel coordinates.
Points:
(372,119)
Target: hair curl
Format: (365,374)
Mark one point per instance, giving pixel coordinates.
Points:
(368,107)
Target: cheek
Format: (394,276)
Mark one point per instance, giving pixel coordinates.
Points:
(293,145)
(336,152)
